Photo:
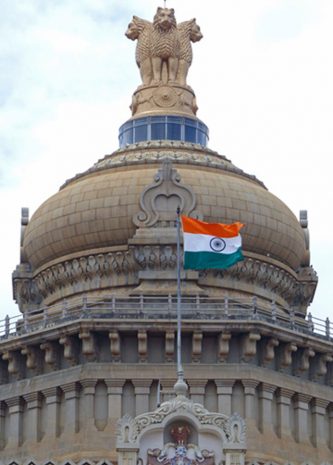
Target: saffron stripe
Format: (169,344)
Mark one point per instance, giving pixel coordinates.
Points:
(191,225)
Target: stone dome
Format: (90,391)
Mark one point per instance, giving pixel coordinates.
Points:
(95,210)
(112,228)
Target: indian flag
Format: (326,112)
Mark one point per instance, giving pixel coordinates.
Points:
(211,245)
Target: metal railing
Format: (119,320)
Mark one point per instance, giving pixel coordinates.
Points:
(162,308)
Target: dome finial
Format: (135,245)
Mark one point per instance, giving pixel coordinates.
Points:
(164,56)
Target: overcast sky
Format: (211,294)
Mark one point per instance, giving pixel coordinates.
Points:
(263,75)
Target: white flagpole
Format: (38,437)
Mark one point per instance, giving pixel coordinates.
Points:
(180,372)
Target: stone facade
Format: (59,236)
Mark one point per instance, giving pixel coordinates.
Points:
(87,373)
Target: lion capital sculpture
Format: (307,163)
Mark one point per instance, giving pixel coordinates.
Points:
(164,51)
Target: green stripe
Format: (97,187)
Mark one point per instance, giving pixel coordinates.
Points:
(209,260)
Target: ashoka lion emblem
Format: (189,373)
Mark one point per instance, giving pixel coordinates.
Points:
(180,452)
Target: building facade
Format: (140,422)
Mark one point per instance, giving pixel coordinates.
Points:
(87,372)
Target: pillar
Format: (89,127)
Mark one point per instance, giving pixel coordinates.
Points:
(2,425)
(142,390)
(87,410)
(15,421)
(301,417)
(71,424)
(318,414)
(224,393)
(197,390)
(251,415)
(115,390)
(283,412)
(265,398)
(33,401)
(52,400)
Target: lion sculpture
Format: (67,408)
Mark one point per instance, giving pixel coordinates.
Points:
(141,30)
(165,45)
(189,31)
(164,51)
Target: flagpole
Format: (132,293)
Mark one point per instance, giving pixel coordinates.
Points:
(180,372)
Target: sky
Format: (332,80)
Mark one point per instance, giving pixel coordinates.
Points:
(262,74)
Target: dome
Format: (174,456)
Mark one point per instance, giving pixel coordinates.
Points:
(112,228)
(95,210)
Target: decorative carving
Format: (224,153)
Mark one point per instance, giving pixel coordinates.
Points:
(189,31)
(180,452)
(196,346)
(142,345)
(165,96)
(323,360)
(269,350)
(141,30)
(88,343)
(223,346)
(169,346)
(70,349)
(115,345)
(13,363)
(250,345)
(286,356)
(303,219)
(155,257)
(274,279)
(307,353)
(232,429)
(163,52)
(51,355)
(32,361)
(160,200)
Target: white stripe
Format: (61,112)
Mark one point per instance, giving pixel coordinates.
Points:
(206,243)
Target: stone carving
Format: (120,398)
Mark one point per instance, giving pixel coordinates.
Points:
(165,45)
(164,51)
(141,30)
(159,200)
(155,151)
(189,31)
(24,223)
(274,279)
(180,452)
(232,429)
(155,257)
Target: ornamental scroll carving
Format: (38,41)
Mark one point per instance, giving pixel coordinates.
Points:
(232,429)
(159,200)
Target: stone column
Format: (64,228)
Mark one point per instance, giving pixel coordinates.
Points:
(33,401)
(71,424)
(15,421)
(250,406)
(318,414)
(2,425)
(283,412)
(87,410)
(301,417)
(52,400)
(330,419)
(265,398)
(115,390)
(142,390)
(197,390)
(224,393)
